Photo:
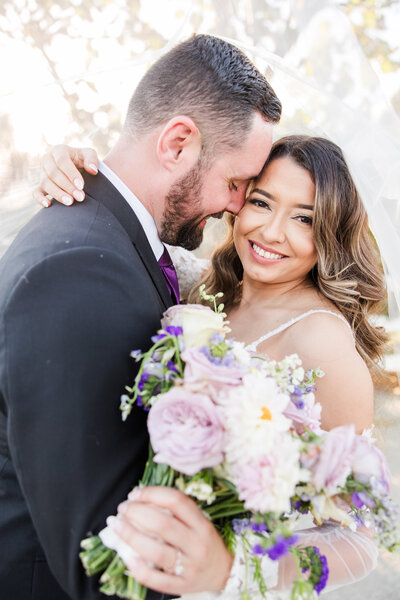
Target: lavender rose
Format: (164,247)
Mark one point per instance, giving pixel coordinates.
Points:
(368,461)
(199,368)
(335,460)
(186,432)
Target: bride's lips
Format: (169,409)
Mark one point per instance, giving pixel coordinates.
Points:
(264,255)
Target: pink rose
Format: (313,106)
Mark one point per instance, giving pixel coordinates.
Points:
(267,483)
(335,460)
(309,416)
(186,432)
(199,368)
(368,461)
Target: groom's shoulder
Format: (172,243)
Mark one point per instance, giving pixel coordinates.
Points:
(59,230)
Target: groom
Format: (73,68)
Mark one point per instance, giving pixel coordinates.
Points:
(81,289)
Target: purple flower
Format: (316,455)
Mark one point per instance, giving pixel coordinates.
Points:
(173,330)
(142,381)
(281,546)
(240,526)
(257,549)
(259,527)
(171,366)
(304,412)
(216,338)
(156,338)
(136,354)
(324,575)
(225,361)
(199,368)
(297,400)
(358,521)
(361,499)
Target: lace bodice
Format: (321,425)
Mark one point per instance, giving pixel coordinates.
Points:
(189,268)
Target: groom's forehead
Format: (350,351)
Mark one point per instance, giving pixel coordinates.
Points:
(251,154)
(245,166)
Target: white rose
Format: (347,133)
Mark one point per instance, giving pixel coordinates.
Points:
(240,353)
(298,375)
(198,322)
(331,509)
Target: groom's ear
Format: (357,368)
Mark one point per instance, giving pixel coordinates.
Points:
(179,144)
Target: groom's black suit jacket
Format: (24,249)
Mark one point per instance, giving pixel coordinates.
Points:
(79,289)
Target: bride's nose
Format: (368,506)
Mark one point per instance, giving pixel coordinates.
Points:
(274,230)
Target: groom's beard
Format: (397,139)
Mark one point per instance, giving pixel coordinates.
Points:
(182,223)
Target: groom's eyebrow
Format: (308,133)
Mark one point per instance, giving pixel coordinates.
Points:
(272,197)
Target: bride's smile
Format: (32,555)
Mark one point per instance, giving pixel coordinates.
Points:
(273,232)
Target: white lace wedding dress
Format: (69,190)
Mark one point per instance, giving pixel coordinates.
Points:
(351,555)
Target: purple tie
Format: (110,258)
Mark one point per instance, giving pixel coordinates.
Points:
(170,275)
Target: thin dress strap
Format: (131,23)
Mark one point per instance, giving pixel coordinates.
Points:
(253,345)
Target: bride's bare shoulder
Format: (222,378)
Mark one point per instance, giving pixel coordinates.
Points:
(346,390)
(325,328)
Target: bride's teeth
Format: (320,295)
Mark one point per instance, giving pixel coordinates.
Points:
(264,253)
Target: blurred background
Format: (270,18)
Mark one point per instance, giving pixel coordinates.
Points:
(68,69)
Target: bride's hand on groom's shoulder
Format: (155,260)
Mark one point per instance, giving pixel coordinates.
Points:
(60,178)
(175,548)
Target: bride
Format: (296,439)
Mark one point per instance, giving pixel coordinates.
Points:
(300,274)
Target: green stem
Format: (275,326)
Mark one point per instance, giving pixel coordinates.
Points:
(178,356)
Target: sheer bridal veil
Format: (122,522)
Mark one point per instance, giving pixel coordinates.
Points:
(325,82)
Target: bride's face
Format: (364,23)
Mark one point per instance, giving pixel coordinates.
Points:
(273,231)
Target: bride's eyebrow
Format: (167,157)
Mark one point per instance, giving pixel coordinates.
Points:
(263,193)
(272,197)
(306,206)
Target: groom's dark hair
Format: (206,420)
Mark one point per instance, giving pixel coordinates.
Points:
(209,80)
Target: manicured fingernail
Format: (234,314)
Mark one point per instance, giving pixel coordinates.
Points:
(79,196)
(134,494)
(67,200)
(122,507)
(78,183)
(46,203)
(93,167)
(114,523)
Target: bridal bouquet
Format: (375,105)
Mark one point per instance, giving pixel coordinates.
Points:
(241,435)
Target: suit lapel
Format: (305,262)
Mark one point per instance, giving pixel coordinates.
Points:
(102,190)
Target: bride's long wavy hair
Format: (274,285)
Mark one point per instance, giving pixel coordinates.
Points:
(348,270)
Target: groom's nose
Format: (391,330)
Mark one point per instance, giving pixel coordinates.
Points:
(236,201)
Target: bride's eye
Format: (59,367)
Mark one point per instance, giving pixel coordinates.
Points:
(305,219)
(259,203)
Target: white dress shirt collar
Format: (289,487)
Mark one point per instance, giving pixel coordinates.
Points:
(145,218)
